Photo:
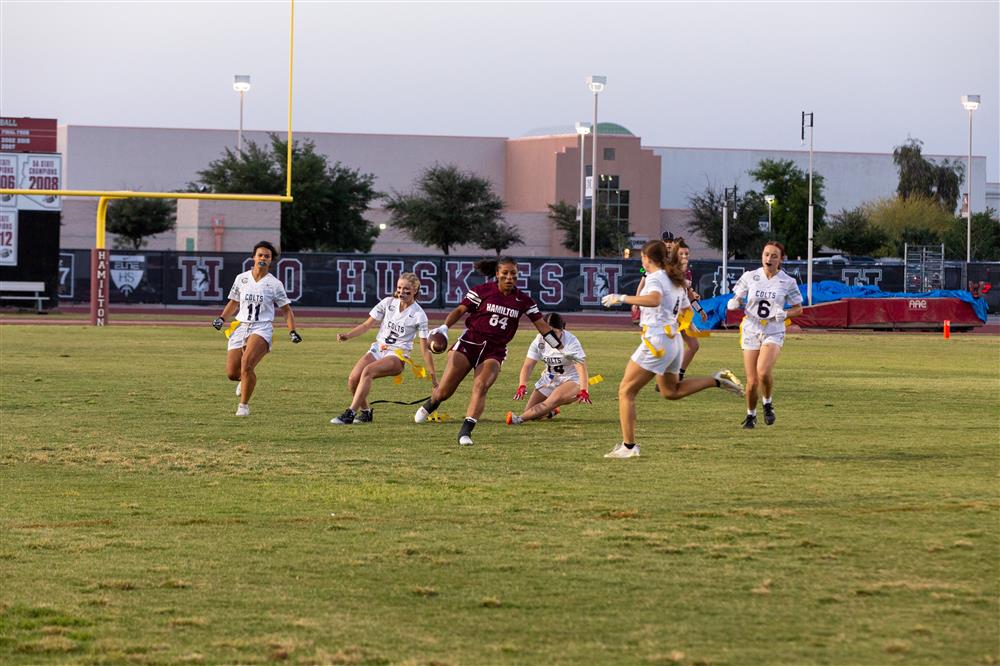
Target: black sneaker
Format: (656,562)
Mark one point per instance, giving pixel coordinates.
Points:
(769,414)
(750,422)
(365,416)
(347,418)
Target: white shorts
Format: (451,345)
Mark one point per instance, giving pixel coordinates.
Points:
(381,351)
(667,357)
(755,333)
(242,333)
(550,381)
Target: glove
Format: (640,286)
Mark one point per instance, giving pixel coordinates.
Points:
(779,315)
(612,299)
(218,323)
(584,396)
(441,329)
(294,337)
(734,303)
(521,391)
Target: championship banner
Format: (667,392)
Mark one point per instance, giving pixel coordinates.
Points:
(8,237)
(39,172)
(8,179)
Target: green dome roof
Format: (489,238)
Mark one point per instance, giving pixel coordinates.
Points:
(602,128)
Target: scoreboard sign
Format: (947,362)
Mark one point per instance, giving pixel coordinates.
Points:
(27,135)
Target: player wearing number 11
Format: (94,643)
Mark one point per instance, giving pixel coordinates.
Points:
(765,291)
(254,296)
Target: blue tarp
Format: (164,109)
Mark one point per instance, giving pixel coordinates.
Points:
(829,290)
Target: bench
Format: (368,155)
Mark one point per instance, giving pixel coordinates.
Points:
(21,289)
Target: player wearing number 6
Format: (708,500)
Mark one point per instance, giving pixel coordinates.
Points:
(494,309)
(253,298)
(765,291)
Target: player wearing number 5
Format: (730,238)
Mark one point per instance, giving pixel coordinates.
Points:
(765,291)
(253,298)
(494,309)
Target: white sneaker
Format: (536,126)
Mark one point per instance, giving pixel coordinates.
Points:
(729,381)
(622,451)
(465,440)
(243,410)
(421,415)
(239,387)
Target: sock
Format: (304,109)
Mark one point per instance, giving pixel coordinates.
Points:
(682,374)
(718,384)
(751,412)
(467,425)
(767,401)
(351,410)
(431,405)
(629,446)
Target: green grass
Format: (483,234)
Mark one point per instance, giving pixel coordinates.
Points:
(142,523)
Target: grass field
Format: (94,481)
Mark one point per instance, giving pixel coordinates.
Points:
(143,523)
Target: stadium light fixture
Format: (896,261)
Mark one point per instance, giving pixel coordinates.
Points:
(970,103)
(596,85)
(241,84)
(583,129)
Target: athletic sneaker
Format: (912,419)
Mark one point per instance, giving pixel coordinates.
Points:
(514,419)
(554,413)
(365,416)
(421,415)
(465,440)
(243,410)
(239,386)
(347,418)
(729,381)
(622,451)
(750,422)
(769,414)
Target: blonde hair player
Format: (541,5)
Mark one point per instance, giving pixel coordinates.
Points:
(254,297)
(765,291)
(402,319)
(661,301)
(564,379)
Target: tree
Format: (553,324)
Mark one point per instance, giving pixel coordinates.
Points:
(498,236)
(919,177)
(851,231)
(917,220)
(132,220)
(790,185)
(447,208)
(985,237)
(610,239)
(327,214)
(746,240)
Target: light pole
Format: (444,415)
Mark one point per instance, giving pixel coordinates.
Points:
(241,84)
(729,191)
(971,103)
(596,85)
(809,247)
(583,130)
(769,200)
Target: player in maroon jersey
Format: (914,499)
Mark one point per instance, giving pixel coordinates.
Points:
(494,308)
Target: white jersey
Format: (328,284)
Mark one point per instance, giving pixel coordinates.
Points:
(257,299)
(673,299)
(764,296)
(556,363)
(398,328)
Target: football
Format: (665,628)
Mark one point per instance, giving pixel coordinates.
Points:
(438,342)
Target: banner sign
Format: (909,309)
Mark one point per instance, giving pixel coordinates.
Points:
(39,172)
(27,135)
(8,179)
(8,237)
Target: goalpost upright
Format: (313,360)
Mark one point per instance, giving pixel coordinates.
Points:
(99,269)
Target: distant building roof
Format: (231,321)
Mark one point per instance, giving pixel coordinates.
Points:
(559,130)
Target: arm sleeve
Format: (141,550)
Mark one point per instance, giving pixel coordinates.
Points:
(575,348)
(794,296)
(422,325)
(742,287)
(473,298)
(234,293)
(533,349)
(378,312)
(531,309)
(280,297)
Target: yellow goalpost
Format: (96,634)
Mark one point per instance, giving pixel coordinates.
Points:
(99,272)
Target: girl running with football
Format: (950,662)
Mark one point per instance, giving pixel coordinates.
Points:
(658,355)
(401,320)
(563,381)
(254,296)
(494,309)
(766,291)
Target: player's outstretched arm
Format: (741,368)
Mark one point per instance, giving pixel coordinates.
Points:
(357,330)
(526,369)
(548,334)
(228,311)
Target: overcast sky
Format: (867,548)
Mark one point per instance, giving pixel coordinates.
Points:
(726,74)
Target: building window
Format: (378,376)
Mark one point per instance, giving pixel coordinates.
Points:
(616,200)
(609,154)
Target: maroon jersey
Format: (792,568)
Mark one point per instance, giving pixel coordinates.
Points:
(493,315)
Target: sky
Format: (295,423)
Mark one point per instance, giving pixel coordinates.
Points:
(705,74)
